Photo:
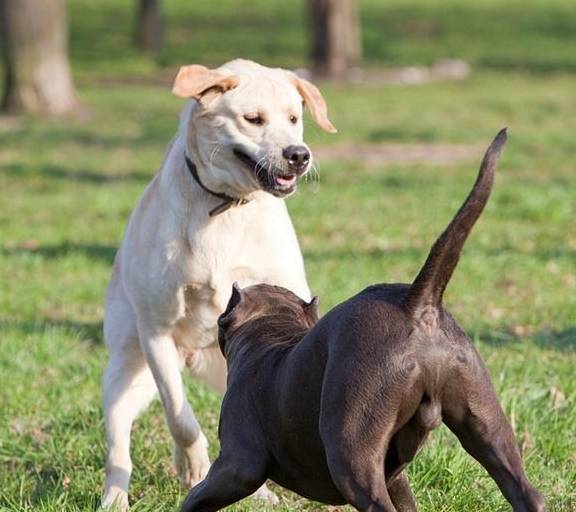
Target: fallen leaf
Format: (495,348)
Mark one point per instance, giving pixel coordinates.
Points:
(520,330)
(526,442)
(556,397)
(29,245)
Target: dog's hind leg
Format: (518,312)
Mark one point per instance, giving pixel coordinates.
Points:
(481,426)
(361,480)
(358,418)
(355,455)
(128,387)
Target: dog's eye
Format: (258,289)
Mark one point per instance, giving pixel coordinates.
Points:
(293,119)
(254,119)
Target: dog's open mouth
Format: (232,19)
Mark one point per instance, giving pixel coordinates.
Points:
(276,181)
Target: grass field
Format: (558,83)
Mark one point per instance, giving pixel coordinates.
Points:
(67,188)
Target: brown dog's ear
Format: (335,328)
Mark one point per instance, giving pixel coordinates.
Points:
(311,310)
(314,100)
(193,81)
(226,318)
(234,300)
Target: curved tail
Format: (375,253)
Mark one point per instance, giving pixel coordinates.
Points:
(430,283)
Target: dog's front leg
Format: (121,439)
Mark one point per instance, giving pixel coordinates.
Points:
(228,481)
(190,444)
(209,366)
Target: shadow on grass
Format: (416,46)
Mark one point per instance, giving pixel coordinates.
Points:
(105,253)
(418,250)
(564,340)
(48,482)
(154,130)
(543,254)
(20,170)
(86,331)
(560,340)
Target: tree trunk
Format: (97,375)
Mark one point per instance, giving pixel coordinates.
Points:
(149,26)
(335,29)
(38,79)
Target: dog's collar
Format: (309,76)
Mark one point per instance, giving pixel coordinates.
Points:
(228,201)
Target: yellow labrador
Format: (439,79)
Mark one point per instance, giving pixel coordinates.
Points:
(213,215)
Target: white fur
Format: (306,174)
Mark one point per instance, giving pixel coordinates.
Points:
(174,270)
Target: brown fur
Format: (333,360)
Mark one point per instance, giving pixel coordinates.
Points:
(337,414)
(274,316)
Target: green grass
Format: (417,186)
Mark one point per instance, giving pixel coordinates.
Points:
(67,188)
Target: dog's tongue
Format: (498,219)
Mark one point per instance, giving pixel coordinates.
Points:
(286,181)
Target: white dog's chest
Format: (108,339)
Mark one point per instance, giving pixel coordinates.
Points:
(197,328)
(203,302)
(207,285)
(252,244)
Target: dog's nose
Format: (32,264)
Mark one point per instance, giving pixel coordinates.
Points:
(297,156)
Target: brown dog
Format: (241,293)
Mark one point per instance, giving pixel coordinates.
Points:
(337,411)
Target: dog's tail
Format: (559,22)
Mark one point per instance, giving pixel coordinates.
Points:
(430,283)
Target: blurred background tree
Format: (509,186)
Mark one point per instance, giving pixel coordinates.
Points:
(35,50)
(108,38)
(149,34)
(335,37)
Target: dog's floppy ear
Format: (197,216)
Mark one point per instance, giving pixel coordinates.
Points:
(314,100)
(193,81)
(311,310)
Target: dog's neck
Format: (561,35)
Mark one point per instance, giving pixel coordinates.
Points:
(227,201)
(265,333)
(185,195)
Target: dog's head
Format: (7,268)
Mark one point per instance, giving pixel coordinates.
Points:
(246,131)
(266,314)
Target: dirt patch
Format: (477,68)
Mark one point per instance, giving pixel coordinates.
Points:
(377,155)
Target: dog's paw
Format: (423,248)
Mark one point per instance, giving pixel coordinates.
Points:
(192,463)
(265,494)
(115,500)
